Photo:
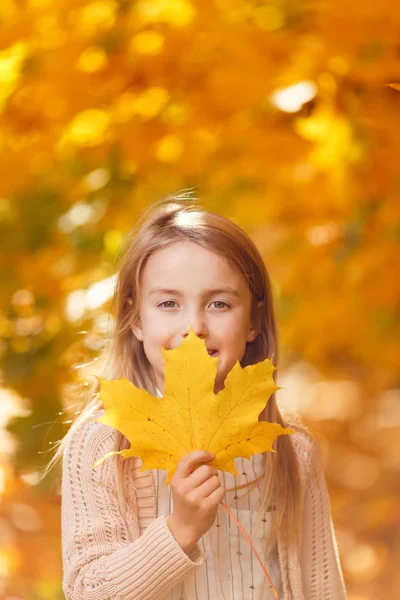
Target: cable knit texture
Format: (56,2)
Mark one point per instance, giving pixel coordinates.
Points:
(117,548)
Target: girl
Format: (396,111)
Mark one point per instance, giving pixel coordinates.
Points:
(125,536)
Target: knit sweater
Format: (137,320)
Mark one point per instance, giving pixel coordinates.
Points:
(118,547)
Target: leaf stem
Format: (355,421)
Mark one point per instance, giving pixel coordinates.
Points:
(253,549)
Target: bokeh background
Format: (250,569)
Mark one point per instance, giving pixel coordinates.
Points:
(278,115)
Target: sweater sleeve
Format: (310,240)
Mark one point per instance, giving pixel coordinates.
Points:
(320,564)
(102,560)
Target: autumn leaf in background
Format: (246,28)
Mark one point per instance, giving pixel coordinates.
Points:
(190,416)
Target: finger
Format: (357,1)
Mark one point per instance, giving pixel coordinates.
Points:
(209,486)
(190,461)
(214,498)
(201,474)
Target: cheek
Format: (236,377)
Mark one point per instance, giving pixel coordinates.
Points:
(234,334)
(153,329)
(156,339)
(235,345)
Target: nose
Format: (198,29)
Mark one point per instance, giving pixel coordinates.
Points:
(199,327)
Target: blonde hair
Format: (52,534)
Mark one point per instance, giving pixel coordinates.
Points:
(178,218)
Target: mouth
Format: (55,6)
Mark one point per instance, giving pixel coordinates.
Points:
(213,352)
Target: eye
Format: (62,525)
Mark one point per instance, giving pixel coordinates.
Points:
(165,302)
(220,302)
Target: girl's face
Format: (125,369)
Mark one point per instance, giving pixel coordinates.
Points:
(185,284)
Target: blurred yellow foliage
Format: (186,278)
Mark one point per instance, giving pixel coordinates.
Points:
(88,128)
(148,42)
(11,61)
(177,13)
(95,17)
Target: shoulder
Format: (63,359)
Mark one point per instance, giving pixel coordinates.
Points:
(306,447)
(86,442)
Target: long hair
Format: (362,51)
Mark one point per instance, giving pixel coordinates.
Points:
(166,222)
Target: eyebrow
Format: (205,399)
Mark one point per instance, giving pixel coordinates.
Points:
(226,290)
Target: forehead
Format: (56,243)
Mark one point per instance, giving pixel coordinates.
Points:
(186,263)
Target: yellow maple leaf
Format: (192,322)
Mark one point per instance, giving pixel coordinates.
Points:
(190,416)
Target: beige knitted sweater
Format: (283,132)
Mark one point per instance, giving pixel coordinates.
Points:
(114,547)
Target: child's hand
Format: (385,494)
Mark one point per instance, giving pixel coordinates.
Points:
(196,494)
